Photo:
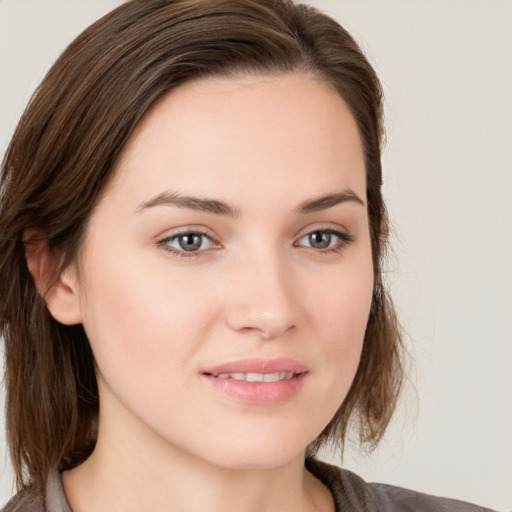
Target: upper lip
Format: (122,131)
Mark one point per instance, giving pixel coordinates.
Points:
(257,366)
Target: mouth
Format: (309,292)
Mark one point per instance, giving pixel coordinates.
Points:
(256,377)
(257,381)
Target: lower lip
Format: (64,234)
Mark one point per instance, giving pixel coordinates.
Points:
(258,393)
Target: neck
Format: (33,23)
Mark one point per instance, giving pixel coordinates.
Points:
(131,471)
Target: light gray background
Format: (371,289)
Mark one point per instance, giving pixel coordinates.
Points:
(447,72)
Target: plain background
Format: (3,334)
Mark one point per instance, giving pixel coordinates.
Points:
(446,66)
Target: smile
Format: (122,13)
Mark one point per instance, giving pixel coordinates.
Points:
(258,381)
(257,377)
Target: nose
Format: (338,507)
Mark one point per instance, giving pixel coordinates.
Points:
(262,300)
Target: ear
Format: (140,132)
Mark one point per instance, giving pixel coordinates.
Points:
(59,292)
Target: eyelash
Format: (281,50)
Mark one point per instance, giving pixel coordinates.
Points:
(164,243)
(343,240)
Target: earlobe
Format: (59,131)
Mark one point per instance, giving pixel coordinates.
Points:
(60,292)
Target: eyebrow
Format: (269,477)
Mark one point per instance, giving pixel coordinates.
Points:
(328,201)
(193,203)
(221,208)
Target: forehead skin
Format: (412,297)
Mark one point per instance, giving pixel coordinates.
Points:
(324,136)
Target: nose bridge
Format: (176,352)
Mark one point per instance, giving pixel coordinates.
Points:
(262,296)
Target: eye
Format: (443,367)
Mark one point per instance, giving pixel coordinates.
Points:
(325,240)
(189,242)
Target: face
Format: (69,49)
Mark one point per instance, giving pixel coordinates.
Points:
(225,280)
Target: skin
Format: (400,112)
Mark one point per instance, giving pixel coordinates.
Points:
(155,319)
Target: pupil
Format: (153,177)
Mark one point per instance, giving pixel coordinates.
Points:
(320,239)
(190,242)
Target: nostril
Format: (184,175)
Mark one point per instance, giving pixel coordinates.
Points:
(267,332)
(270,311)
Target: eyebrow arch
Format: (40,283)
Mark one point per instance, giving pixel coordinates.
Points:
(328,201)
(190,202)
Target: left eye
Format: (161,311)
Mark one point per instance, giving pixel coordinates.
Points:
(324,239)
(188,242)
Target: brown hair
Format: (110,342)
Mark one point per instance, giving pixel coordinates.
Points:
(64,151)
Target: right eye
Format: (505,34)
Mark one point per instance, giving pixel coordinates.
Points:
(190,242)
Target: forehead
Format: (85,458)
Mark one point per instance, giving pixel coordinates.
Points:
(244,131)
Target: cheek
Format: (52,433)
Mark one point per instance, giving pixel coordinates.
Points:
(341,316)
(338,319)
(146,332)
(343,306)
(142,320)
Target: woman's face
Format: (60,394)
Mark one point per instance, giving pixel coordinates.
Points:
(226,274)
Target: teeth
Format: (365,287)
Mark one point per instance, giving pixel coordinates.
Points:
(271,377)
(257,377)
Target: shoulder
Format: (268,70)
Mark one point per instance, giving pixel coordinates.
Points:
(28,500)
(352,493)
(32,499)
(404,500)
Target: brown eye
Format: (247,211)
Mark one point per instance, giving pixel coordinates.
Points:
(190,241)
(325,240)
(320,239)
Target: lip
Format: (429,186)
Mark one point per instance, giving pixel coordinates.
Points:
(257,365)
(257,393)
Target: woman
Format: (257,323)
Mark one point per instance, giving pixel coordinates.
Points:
(192,230)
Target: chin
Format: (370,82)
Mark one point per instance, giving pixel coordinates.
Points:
(267,454)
